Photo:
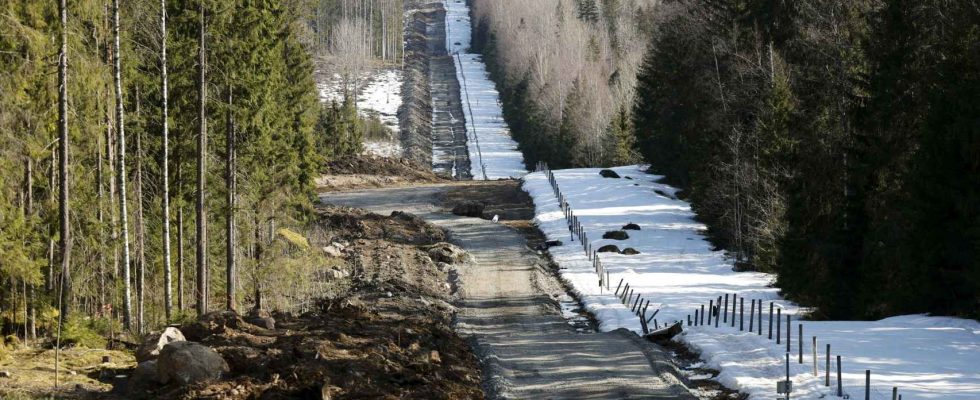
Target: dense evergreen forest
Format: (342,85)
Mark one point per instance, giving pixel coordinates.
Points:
(137,141)
(836,144)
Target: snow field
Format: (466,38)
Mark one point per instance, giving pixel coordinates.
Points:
(380,97)
(925,357)
(488,138)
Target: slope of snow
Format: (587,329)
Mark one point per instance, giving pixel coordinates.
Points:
(925,357)
(488,138)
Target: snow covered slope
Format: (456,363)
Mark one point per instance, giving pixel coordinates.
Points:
(380,96)
(925,357)
(488,139)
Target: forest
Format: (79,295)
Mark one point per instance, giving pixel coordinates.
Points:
(136,142)
(836,144)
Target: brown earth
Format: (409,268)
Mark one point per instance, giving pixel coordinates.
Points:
(360,172)
(388,336)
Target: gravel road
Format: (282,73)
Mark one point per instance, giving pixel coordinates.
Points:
(508,311)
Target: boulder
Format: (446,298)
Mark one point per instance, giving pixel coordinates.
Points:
(5,374)
(244,359)
(630,251)
(616,235)
(469,208)
(144,378)
(448,253)
(609,248)
(631,227)
(263,322)
(155,341)
(184,363)
(552,243)
(608,173)
(211,323)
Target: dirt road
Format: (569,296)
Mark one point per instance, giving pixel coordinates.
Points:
(508,311)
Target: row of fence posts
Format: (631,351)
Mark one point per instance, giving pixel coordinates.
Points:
(718,312)
(631,299)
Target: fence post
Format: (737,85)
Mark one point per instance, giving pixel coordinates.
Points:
(779,324)
(635,303)
(711,310)
(815,372)
(689,318)
(741,314)
(789,336)
(827,383)
(840,389)
(894,393)
(719,314)
(620,284)
(760,318)
(734,296)
(725,314)
(696,315)
(770,320)
(800,342)
(702,315)
(752,316)
(867,384)
(607,277)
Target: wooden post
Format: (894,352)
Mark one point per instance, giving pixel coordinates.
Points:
(725,313)
(733,309)
(827,382)
(701,321)
(752,316)
(867,384)
(894,393)
(770,320)
(789,335)
(635,302)
(620,284)
(643,325)
(779,324)
(626,289)
(711,310)
(689,318)
(717,316)
(741,314)
(800,342)
(840,389)
(815,372)
(607,278)
(760,318)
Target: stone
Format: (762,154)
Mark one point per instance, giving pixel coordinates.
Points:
(434,357)
(469,208)
(616,235)
(263,322)
(631,227)
(448,253)
(211,323)
(608,173)
(5,374)
(143,379)
(333,251)
(244,359)
(629,251)
(609,248)
(184,363)
(154,342)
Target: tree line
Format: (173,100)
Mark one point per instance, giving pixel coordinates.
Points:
(137,140)
(832,143)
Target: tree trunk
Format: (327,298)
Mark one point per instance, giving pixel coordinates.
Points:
(165,173)
(140,229)
(180,257)
(202,278)
(231,274)
(121,172)
(63,242)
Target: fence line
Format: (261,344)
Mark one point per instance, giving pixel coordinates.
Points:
(716,310)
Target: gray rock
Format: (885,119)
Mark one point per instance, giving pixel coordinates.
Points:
(608,173)
(183,363)
(616,235)
(5,374)
(448,253)
(631,227)
(143,379)
(263,322)
(609,248)
(154,342)
(630,251)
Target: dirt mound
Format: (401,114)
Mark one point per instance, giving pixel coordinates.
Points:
(388,335)
(367,171)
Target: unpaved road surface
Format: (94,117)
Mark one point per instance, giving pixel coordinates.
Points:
(508,312)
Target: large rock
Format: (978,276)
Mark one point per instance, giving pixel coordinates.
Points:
(630,251)
(616,235)
(263,322)
(144,378)
(608,173)
(609,248)
(448,253)
(469,208)
(183,363)
(151,347)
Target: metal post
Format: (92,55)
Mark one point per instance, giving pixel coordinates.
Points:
(711,310)
(779,324)
(701,321)
(733,309)
(789,336)
(867,384)
(770,320)
(725,313)
(716,317)
(752,316)
(741,314)
(787,375)
(800,342)
(827,382)
(840,388)
(760,317)
(815,372)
